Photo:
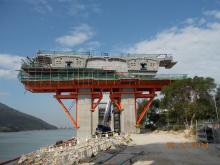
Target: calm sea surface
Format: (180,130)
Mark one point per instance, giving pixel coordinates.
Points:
(14,144)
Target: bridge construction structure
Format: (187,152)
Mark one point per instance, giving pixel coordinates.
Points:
(86,78)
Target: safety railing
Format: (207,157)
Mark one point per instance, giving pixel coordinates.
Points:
(63,52)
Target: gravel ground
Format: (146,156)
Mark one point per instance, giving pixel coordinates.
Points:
(165,148)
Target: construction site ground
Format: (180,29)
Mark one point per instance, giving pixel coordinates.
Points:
(163,148)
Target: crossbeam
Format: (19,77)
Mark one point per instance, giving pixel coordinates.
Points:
(67,86)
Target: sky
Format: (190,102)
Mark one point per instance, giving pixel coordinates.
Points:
(189,30)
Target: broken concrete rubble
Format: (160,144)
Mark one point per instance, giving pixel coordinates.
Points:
(74,151)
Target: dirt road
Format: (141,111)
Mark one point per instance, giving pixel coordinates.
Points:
(164,149)
(168,148)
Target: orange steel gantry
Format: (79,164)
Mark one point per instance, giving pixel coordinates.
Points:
(144,89)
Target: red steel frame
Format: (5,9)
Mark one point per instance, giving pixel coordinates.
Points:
(95,97)
(116,100)
(149,97)
(59,96)
(74,95)
(144,89)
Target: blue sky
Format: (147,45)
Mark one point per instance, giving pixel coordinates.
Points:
(189,30)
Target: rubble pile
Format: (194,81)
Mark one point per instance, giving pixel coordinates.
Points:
(74,151)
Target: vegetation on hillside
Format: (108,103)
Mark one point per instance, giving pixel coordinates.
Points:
(12,120)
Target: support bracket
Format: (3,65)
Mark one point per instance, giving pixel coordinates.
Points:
(58,97)
(116,100)
(94,98)
(149,96)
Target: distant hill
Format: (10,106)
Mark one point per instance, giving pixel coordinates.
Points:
(12,120)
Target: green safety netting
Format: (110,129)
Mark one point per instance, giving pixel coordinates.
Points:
(80,74)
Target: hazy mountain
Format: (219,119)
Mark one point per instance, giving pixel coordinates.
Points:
(12,120)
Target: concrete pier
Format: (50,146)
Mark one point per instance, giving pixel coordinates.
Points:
(87,119)
(128,114)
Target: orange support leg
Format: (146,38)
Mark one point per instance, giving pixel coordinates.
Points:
(95,104)
(74,122)
(146,107)
(116,100)
(117,103)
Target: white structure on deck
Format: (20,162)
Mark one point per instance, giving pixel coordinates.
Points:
(131,63)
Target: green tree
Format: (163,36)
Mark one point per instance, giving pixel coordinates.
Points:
(151,113)
(217,99)
(189,99)
(217,96)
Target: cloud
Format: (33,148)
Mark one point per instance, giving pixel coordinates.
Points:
(41,6)
(76,8)
(214,13)
(8,65)
(195,21)
(91,46)
(79,9)
(190,21)
(196,47)
(77,36)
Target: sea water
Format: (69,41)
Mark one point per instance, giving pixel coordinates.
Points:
(14,144)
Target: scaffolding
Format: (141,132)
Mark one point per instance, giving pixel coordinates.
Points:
(68,74)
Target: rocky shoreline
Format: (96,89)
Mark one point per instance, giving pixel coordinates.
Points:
(75,151)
